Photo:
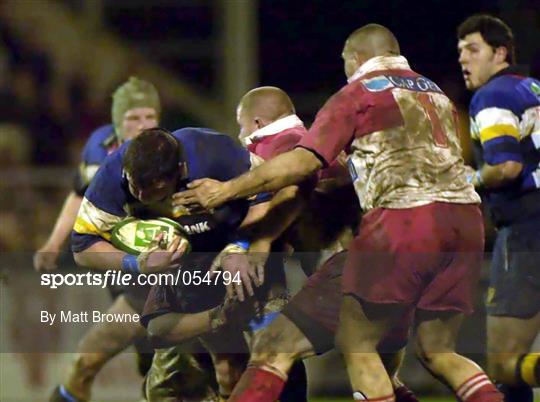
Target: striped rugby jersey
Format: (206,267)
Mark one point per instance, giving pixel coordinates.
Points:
(505,126)
(207,153)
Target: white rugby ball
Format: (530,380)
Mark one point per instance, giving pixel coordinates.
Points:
(134,235)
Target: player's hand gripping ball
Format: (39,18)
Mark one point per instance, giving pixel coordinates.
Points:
(150,239)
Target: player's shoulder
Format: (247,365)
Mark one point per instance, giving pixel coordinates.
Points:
(107,183)
(348,96)
(98,144)
(502,92)
(290,134)
(101,136)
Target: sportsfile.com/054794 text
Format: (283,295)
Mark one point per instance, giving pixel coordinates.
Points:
(118,278)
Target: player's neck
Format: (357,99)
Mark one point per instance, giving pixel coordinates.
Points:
(498,68)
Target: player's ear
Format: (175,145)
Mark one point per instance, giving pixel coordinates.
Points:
(500,54)
(359,58)
(259,122)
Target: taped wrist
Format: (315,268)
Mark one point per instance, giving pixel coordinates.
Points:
(238,246)
(130,263)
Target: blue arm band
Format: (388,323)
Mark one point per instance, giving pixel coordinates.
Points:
(130,264)
(242,243)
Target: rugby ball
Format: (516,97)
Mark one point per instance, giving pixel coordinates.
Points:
(134,235)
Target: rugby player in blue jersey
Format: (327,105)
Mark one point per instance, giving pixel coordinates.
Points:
(505,129)
(139,180)
(135,107)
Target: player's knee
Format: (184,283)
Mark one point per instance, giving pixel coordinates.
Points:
(433,358)
(276,362)
(502,368)
(273,349)
(267,342)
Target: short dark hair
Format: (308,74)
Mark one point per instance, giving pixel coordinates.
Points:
(494,32)
(153,155)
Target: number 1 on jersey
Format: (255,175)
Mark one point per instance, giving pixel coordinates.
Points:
(439,136)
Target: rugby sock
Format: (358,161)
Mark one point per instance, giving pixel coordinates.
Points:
(359,396)
(478,388)
(296,386)
(404,394)
(516,393)
(528,369)
(258,385)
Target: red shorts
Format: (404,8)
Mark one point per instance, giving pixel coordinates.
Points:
(316,307)
(428,257)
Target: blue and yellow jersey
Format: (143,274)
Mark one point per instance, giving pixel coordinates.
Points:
(207,154)
(505,126)
(101,143)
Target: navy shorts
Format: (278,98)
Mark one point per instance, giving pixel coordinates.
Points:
(514,288)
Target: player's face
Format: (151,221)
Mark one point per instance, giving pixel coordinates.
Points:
(154,192)
(248,124)
(136,120)
(478,60)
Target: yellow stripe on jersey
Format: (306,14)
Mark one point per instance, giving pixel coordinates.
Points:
(499,130)
(83,227)
(93,221)
(528,369)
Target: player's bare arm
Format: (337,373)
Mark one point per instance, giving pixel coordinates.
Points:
(282,210)
(176,328)
(264,223)
(233,258)
(494,176)
(101,255)
(46,257)
(286,169)
(104,256)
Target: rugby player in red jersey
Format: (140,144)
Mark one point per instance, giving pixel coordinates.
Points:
(307,324)
(420,243)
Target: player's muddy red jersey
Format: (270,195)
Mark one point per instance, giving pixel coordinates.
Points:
(400,132)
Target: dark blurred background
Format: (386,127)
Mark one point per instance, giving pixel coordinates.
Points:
(60,60)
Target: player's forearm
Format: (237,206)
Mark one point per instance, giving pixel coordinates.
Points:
(65,221)
(284,170)
(282,211)
(102,256)
(176,328)
(495,176)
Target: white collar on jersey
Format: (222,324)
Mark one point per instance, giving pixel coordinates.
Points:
(275,127)
(380,63)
